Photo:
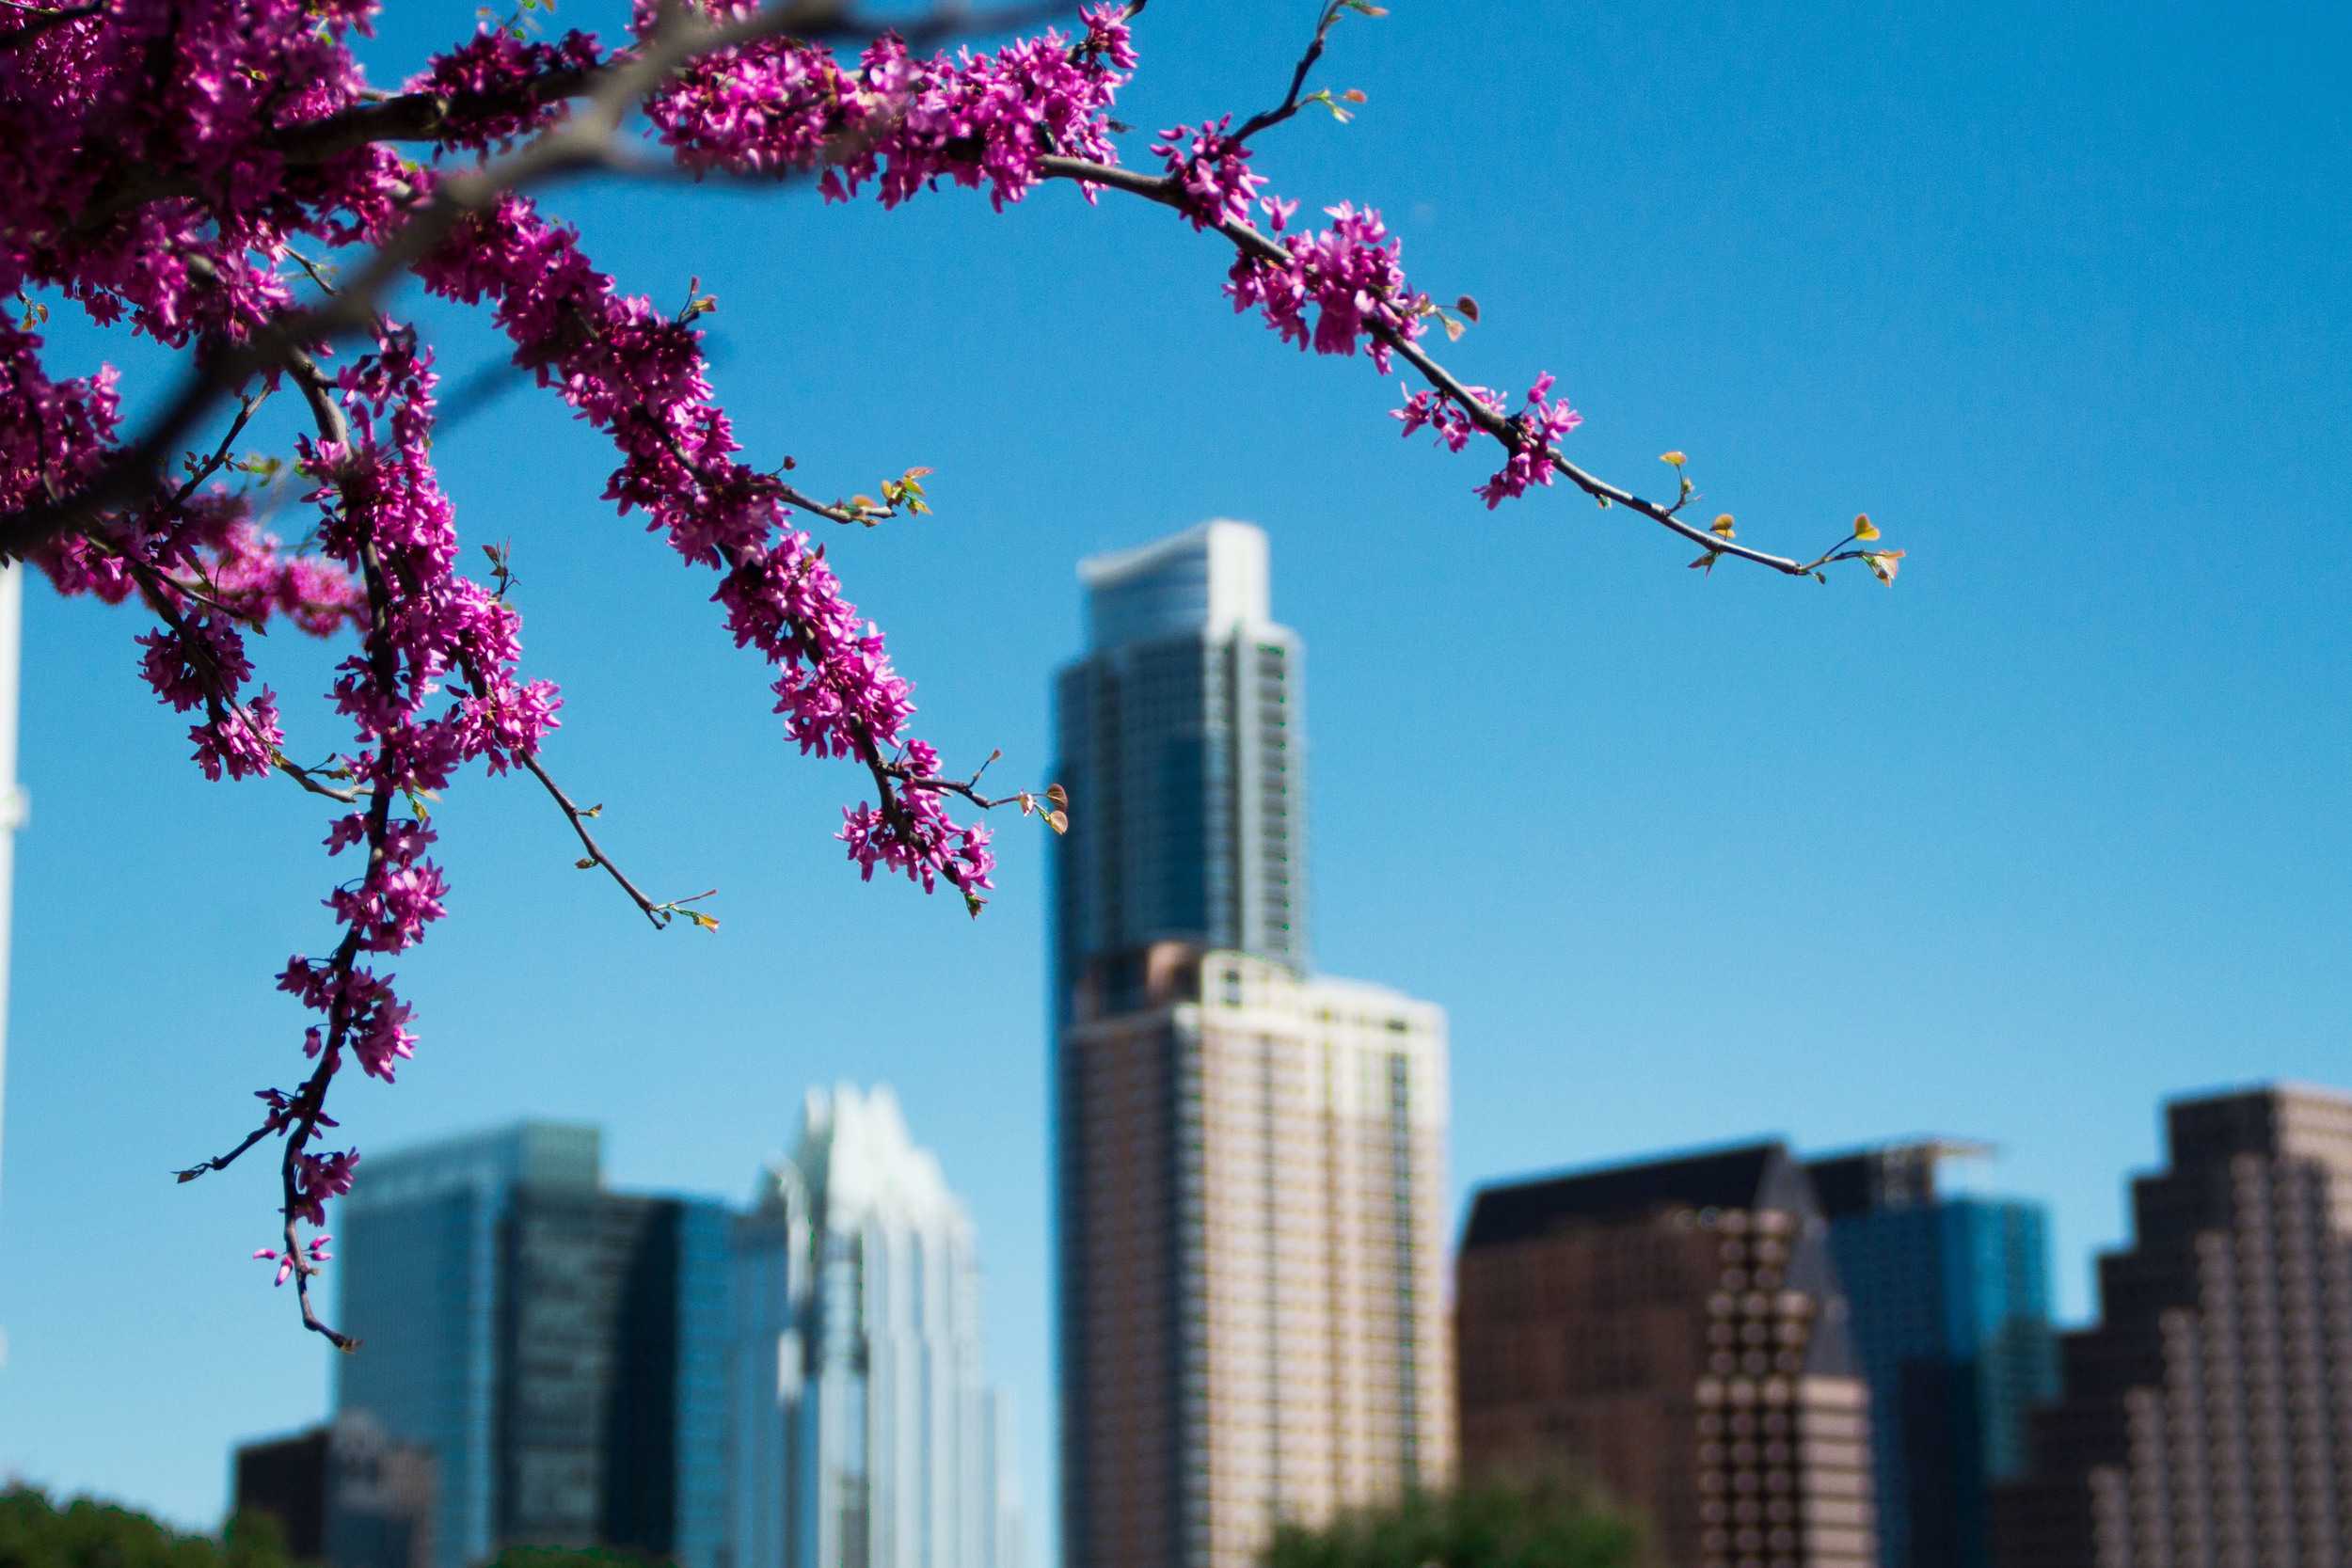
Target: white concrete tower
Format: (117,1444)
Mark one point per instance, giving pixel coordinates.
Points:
(13,802)
(865,1433)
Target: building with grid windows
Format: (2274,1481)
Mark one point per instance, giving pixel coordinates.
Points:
(1250,1160)
(865,1434)
(1949,1299)
(558,1349)
(1182,735)
(2206,1420)
(1673,1330)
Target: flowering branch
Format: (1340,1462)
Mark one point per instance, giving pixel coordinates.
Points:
(1476,409)
(583,141)
(204,140)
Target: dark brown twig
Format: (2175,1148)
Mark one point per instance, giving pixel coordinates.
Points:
(595,856)
(1291,104)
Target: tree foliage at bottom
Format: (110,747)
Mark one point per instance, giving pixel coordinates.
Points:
(36,1532)
(1487,1525)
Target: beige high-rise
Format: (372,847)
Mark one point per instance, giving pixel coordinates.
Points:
(1254,1258)
(1249,1163)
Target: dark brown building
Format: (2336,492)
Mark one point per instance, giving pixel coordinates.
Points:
(345,1495)
(2207,1417)
(1675,1331)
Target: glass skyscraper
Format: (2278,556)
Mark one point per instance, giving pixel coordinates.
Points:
(1250,1161)
(560,1349)
(1951,1302)
(865,1435)
(1182,743)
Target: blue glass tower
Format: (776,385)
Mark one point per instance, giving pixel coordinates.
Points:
(559,1349)
(1951,1302)
(1182,738)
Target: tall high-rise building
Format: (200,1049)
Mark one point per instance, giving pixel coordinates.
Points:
(1182,735)
(560,1349)
(1250,1161)
(2206,1420)
(863,1433)
(1950,1295)
(1673,1330)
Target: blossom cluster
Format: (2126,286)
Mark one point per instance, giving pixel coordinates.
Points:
(492,85)
(1349,274)
(1540,422)
(779,105)
(1211,175)
(180,95)
(214,573)
(1444,417)
(52,434)
(640,377)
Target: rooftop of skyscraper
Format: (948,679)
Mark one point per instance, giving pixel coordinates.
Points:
(858,1159)
(1733,1176)
(1212,577)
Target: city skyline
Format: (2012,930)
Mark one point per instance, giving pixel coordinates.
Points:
(2278,1156)
(1950,1307)
(2045,834)
(548,1339)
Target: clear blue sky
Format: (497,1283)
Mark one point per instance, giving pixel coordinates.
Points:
(2054,829)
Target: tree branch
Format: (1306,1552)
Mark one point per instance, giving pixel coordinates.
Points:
(1260,246)
(430,117)
(583,142)
(579,818)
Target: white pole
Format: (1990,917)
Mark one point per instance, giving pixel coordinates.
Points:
(12,798)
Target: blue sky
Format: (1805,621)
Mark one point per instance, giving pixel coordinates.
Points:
(2052,830)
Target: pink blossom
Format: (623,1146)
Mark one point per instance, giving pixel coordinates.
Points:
(1351,277)
(1212,174)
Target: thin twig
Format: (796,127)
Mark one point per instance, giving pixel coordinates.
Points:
(1289,105)
(315,269)
(1505,429)
(579,821)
